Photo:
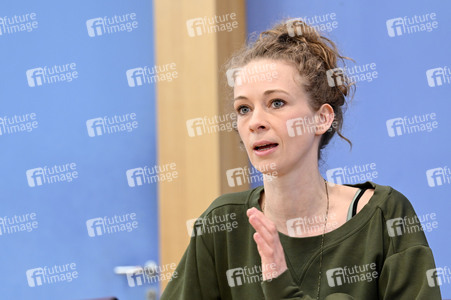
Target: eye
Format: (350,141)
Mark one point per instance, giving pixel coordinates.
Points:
(277,103)
(242,109)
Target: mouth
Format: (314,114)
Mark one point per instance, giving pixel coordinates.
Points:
(265,147)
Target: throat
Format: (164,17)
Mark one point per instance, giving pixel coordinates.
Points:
(297,219)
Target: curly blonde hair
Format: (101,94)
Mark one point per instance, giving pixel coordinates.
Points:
(313,55)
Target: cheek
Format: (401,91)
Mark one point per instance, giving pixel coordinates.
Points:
(284,125)
(240,126)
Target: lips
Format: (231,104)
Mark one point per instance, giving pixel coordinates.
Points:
(265,146)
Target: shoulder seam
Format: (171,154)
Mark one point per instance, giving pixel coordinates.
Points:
(245,195)
(222,205)
(409,248)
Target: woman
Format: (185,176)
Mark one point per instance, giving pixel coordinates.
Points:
(298,236)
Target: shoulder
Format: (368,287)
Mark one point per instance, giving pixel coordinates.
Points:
(400,220)
(385,197)
(233,201)
(390,201)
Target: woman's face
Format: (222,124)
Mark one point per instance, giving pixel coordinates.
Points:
(275,120)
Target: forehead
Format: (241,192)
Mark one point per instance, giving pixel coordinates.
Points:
(264,74)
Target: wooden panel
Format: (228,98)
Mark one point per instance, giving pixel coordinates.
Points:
(232,155)
(197,92)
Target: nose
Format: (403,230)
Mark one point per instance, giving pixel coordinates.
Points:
(258,121)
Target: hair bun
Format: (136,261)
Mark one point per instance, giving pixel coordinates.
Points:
(316,59)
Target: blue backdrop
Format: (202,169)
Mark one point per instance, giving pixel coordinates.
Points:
(77,131)
(398,121)
(75,116)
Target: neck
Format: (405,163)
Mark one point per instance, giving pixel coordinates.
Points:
(300,193)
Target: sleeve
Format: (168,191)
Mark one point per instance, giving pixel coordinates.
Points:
(406,272)
(194,277)
(409,275)
(283,287)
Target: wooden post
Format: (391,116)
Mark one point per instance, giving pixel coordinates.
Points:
(199,91)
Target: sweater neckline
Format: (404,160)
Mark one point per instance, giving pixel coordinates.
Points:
(339,233)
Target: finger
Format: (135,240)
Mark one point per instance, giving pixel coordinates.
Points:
(266,229)
(259,226)
(251,211)
(273,258)
(263,247)
(263,225)
(269,247)
(260,215)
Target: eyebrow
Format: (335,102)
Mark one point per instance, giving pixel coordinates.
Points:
(266,93)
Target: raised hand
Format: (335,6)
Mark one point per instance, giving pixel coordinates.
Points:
(268,244)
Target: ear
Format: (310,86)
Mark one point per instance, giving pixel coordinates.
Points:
(324,118)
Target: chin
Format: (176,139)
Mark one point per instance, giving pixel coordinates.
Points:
(265,166)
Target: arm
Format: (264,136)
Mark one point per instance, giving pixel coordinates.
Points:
(404,276)
(277,281)
(195,276)
(283,287)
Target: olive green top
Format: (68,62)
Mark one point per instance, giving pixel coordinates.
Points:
(378,254)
